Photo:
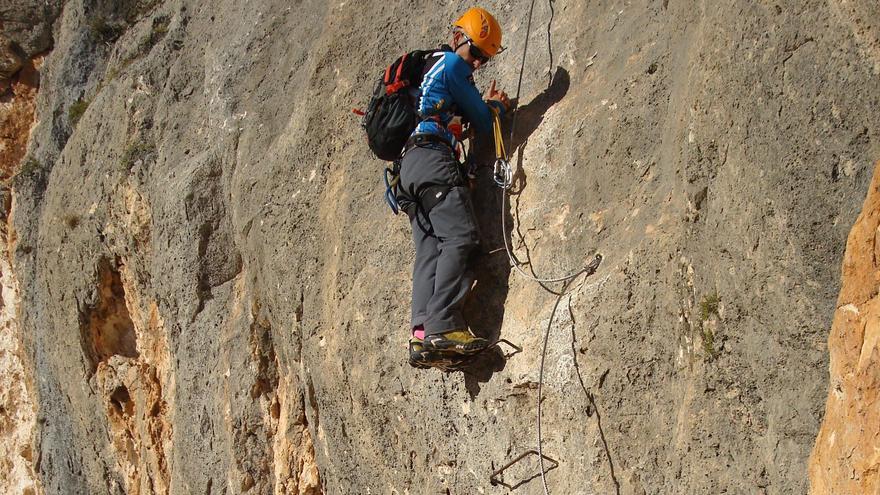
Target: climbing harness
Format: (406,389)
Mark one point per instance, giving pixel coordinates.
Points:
(429,196)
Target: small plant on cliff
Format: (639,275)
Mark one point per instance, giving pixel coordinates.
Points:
(114,72)
(709,306)
(26,169)
(157,32)
(709,343)
(104,29)
(160,28)
(71,220)
(138,150)
(141,8)
(76,111)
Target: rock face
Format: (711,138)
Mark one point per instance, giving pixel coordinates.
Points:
(846,459)
(27,25)
(17,408)
(213,298)
(17,107)
(25,33)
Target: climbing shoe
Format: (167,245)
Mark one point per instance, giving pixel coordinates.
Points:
(456,341)
(418,356)
(442,360)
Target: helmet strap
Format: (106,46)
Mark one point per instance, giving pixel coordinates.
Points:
(466,39)
(460,31)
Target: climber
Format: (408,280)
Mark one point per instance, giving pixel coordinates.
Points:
(432,178)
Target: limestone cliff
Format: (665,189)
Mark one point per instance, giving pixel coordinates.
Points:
(207,294)
(25,35)
(846,458)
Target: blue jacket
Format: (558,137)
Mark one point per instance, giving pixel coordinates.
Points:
(448,90)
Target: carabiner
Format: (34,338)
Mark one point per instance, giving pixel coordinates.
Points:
(391,190)
(502,173)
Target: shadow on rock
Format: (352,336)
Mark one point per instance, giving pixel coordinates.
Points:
(481,368)
(530,115)
(485,306)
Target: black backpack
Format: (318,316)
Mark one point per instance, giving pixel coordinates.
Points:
(392,115)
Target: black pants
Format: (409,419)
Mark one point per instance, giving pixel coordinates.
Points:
(445,238)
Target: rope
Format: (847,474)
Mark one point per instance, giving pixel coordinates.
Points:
(541,384)
(522,67)
(503,176)
(518,264)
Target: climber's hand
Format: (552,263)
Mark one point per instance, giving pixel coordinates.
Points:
(495,95)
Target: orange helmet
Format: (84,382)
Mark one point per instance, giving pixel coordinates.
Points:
(482,29)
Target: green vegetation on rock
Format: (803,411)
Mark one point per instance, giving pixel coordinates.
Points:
(138,150)
(76,111)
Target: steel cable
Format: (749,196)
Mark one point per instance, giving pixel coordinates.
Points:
(503,176)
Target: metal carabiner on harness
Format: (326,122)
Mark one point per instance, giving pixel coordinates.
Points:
(502,173)
(391,187)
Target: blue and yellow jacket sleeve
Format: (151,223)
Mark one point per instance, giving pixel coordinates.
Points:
(448,89)
(468,99)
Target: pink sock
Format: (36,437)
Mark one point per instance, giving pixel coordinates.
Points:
(418,332)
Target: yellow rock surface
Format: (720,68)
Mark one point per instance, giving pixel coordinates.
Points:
(846,457)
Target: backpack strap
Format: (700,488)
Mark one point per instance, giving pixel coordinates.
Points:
(396,84)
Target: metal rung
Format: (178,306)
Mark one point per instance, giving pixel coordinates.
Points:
(495,481)
(517,349)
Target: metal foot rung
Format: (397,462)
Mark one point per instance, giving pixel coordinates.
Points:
(494,477)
